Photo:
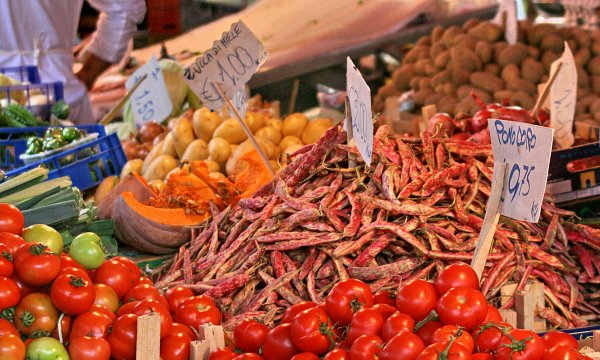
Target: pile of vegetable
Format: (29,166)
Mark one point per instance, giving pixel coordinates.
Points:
(446,319)
(75,304)
(420,207)
(446,66)
(54,138)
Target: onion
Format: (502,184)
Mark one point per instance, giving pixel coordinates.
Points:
(481,137)
(149,131)
(461,136)
(446,124)
(479,121)
(130,148)
(513,113)
(143,150)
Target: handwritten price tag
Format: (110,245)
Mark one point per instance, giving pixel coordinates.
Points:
(359,96)
(526,150)
(150,101)
(509,8)
(239,101)
(563,96)
(231,62)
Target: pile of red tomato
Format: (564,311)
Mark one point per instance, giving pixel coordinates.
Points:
(53,307)
(445,320)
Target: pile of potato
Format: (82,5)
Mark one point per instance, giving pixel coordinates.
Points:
(204,135)
(444,67)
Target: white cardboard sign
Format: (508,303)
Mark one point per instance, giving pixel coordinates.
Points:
(525,148)
(231,62)
(563,97)
(239,101)
(511,30)
(150,101)
(359,96)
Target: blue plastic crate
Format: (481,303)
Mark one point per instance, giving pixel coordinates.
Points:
(52,92)
(28,74)
(13,142)
(85,169)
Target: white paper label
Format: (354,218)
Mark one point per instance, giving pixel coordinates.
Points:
(563,97)
(526,150)
(150,101)
(231,62)
(359,96)
(511,29)
(239,101)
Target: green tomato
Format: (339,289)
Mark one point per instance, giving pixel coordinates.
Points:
(46,235)
(46,348)
(87,253)
(87,236)
(71,134)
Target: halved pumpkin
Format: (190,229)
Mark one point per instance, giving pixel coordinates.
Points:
(132,183)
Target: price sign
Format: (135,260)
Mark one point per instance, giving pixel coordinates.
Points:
(563,96)
(509,8)
(359,96)
(231,62)
(150,101)
(525,149)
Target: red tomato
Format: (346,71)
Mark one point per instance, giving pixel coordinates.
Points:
(134,270)
(6,327)
(11,347)
(249,335)
(91,324)
(456,275)
(145,280)
(291,312)
(12,241)
(448,332)
(366,321)
(176,295)
(404,345)
(66,323)
(337,354)
(105,295)
(222,353)
(116,275)
(67,261)
(396,323)
(104,310)
(123,337)
(445,350)
(10,294)
(175,346)
(147,306)
(25,289)
(386,310)
(126,308)
(197,300)
(493,314)
(482,356)
(72,294)
(462,307)
(520,344)
(36,316)
(11,219)
(278,344)
(249,356)
(345,298)
(417,299)
(7,267)
(311,331)
(305,356)
(141,292)
(84,348)
(384,297)
(555,338)
(183,329)
(194,314)
(36,265)
(71,270)
(487,336)
(426,331)
(366,347)
(562,352)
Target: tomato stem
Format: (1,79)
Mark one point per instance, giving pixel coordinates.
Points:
(27,318)
(7,255)
(39,334)
(431,317)
(77,281)
(8,314)
(355,305)
(37,249)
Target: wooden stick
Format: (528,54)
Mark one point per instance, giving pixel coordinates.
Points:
(428,112)
(264,157)
(349,133)
(492,215)
(293,96)
(544,94)
(111,115)
(147,346)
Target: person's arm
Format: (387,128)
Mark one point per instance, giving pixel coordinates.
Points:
(116,24)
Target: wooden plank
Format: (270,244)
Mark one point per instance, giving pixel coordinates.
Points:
(199,350)
(213,334)
(509,316)
(428,112)
(148,337)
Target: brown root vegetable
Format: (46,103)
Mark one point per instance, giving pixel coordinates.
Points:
(149,131)
(487,81)
(513,54)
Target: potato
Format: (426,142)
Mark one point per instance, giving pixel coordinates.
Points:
(212,165)
(169,145)
(216,175)
(254,120)
(294,124)
(269,133)
(132,166)
(275,123)
(160,167)
(183,135)
(270,150)
(292,149)
(219,150)
(230,130)
(289,141)
(197,150)
(274,165)
(205,122)
(156,151)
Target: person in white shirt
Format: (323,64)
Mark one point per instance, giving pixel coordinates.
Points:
(43,32)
